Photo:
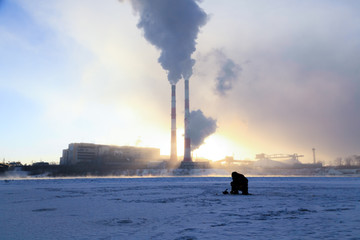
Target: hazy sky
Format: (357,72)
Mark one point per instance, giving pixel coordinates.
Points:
(81,71)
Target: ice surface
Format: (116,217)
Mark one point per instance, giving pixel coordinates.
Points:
(180,208)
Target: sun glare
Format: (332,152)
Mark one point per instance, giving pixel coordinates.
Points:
(217,147)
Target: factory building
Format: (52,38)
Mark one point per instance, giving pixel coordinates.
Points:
(107,154)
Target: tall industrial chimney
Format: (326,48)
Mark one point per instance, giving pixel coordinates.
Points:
(173,154)
(314,155)
(187,148)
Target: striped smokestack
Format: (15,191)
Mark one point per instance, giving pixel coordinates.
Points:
(187,148)
(173,154)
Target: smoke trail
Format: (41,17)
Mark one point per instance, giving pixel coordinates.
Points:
(172,26)
(200,128)
(228,73)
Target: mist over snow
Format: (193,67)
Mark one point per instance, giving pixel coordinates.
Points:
(179,208)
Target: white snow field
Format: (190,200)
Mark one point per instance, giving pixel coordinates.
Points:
(180,208)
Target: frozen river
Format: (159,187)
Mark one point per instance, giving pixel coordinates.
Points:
(180,208)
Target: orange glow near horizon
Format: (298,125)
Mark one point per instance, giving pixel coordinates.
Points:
(215,147)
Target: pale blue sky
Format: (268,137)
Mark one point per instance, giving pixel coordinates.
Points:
(81,71)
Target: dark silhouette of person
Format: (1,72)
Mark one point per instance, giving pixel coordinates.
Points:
(239,183)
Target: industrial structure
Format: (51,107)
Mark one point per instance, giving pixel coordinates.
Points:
(314,155)
(187,141)
(110,155)
(294,157)
(187,162)
(173,153)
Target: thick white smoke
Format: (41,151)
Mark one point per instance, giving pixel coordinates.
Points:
(172,26)
(200,128)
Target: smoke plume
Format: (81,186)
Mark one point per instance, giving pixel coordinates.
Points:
(172,26)
(200,128)
(228,73)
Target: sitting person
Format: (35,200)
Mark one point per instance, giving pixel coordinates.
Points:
(239,183)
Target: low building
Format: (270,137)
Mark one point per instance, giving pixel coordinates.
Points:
(107,154)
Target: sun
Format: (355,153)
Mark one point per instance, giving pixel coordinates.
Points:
(217,147)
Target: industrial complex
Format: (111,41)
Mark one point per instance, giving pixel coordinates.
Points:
(110,155)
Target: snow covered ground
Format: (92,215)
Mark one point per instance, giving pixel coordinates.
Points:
(180,208)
